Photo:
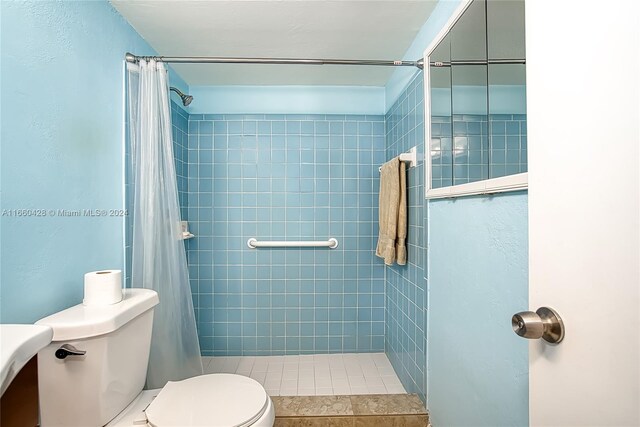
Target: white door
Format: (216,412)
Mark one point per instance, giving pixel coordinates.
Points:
(583,110)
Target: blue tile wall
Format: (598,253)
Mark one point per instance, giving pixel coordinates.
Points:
(406,296)
(508,144)
(441,152)
(468,156)
(180,124)
(464,152)
(285,177)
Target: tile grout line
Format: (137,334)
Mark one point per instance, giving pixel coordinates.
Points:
(272,371)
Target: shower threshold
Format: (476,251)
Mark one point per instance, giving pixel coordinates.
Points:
(314,374)
(372,410)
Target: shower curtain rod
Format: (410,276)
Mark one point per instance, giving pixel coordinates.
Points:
(477,62)
(286,61)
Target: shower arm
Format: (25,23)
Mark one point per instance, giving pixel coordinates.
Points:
(186,99)
(281,61)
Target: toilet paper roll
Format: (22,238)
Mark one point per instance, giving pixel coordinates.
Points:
(102,287)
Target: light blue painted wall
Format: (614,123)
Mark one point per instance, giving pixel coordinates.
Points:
(478,277)
(476,368)
(508,99)
(287,100)
(403,75)
(503,99)
(61,84)
(321,99)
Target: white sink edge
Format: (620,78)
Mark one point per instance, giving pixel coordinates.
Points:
(18,344)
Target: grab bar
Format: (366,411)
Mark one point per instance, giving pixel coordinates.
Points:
(331,244)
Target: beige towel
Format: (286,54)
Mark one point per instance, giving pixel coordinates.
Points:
(401,249)
(392,213)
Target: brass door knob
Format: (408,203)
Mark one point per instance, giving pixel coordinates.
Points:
(545,323)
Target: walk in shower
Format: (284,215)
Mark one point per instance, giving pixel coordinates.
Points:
(296,315)
(301,320)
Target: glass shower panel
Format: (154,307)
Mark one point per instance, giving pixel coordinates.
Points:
(469,34)
(507,84)
(505,29)
(469,95)
(441,122)
(470,138)
(477,85)
(507,120)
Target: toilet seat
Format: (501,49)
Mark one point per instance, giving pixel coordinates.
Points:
(209,400)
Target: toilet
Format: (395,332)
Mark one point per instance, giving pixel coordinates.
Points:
(94,370)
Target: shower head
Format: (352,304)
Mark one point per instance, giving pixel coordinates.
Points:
(186,99)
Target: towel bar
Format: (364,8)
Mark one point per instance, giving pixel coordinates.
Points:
(411,157)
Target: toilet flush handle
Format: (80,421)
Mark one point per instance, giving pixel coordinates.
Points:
(68,350)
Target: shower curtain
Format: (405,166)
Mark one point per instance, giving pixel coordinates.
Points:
(159,261)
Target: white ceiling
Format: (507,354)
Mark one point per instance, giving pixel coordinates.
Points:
(342,29)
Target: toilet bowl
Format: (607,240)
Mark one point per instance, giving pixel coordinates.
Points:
(101,383)
(207,400)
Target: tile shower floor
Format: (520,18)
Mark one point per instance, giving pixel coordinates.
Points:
(316,374)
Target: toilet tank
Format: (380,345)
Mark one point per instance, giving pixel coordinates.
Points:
(91,389)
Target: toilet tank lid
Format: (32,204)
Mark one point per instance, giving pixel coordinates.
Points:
(82,321)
